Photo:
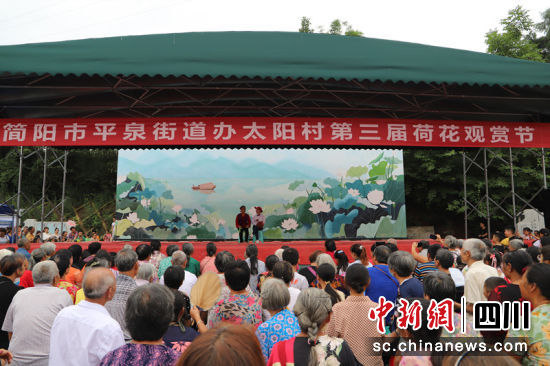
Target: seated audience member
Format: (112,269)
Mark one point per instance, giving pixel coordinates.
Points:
(382,283)
(226,345)
(528,234)
(94,263)
(309,272)
(422,269)
(222,260)
(479,358)
(444,260)
(472,254)
(418,336)
(179,258)
(127,263)
(31,314)
(179,336)
(509,232)
(545,252)
(514,265)
(207,263)
(491,283)
(269,264)
(145,274)
(241,306)
(156,254)
(359,255)
(401,265)
(193,265)
(283,271)
(535,253)
(422,256)
(23,247)
(256,266)
(11,267)
(493,258)
(37,256)
(342,262)
(85,333)
(282,324)
(149,310)
(311,346)
(167,261)
(440,286)
(325,258)
(346,321)
(292,256)
(330,247)
(49,249)
(173,277)
(143,252)
(535,288)
(515,244)
(62,260)
(325,277)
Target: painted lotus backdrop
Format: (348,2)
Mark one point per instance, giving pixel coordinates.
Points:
(305,194)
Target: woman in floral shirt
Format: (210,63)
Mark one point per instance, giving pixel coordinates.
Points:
(241,306)
(62,259)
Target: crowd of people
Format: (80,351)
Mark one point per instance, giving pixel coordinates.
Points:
(10,236)
(148,305)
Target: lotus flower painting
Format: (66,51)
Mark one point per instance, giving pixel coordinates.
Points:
(305,194)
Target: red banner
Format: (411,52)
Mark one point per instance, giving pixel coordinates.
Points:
(261,131)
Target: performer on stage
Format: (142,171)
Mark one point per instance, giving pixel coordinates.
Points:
(258,222)
(242,222)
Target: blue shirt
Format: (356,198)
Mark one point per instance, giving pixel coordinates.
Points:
(24,252)
(280,327)
(411,288)
(382,283)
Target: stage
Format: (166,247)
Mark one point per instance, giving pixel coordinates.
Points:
(305,248)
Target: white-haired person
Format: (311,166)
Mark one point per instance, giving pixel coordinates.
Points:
(472,254)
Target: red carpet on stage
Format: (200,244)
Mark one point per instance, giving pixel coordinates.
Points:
(305,248)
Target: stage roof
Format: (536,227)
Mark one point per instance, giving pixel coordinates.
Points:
(267,74)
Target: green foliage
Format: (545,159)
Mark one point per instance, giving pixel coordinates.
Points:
(336,27)
(516,38)
(357,171)
(305,25)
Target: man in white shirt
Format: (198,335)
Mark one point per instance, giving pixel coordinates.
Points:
(31,314)
(472,253)
(292,256)
(180,259)
(83,334)
(46,234)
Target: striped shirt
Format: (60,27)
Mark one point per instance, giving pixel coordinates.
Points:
(422,269)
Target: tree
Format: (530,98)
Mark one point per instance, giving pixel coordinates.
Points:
(516,39)
(305,25)
(337,27)
(543,41)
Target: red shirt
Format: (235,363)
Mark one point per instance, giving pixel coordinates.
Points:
(26,280)
(242,220)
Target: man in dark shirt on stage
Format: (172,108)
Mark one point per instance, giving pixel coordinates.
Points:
(242,222)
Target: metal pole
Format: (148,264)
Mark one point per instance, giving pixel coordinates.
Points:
(465,194)
(44,189)
(63,192)
(487,192)
(544,169)
(513,186)
(20,178)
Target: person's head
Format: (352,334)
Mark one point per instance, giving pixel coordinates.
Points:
(11,267)
(24,243)
(143,252)
(424,333)
(544,232)
(76,252)
(424,244)
(5,252)
(515,263)
(283,270)
(357,278)
(444,259)
(179,258)
(275,295)
(182,307)
(482,225)
(439,286)
(63,263)
(223,258)
(545,241)
(535,253)
(99,285)
(330,245)
(37,256)
(498,237)
(149,310)
(252,255)
(358,251)
(509,231)
(48,248)
(237,275)
(155,245)
(106,255)
(146,272)
(126,261)
(325,258)
(270,262)
(174,277)
(258,210)
(225,345)
(381,254)
(527,231)
(94,247)
(515,244)
(493,258)
(313,308)
(171,249)
(432,251)
(211,249)
(545,251)
(473,250)
(535,285)
(242,209)
(401,264)
(491,283)
(73,229)
(291,256)
(341,260)
(188,249)
(45,273)
(326,274)
(279,253)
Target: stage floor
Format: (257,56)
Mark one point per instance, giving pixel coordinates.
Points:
(305,248)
